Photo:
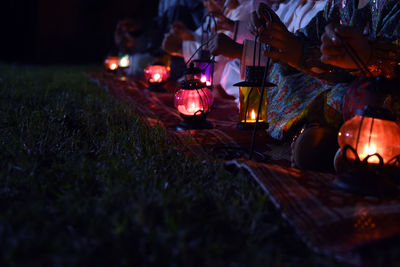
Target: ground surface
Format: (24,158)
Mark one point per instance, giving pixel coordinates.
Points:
(83,181)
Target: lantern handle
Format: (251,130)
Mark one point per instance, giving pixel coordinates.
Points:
(268,47)
(255,49)
(198,49)
(209,39)
(354,56)
(207,29)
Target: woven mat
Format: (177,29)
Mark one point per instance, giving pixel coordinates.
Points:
(329,221)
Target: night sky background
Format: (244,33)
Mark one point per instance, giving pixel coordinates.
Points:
(64,31)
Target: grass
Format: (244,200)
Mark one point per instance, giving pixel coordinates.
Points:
(83,181)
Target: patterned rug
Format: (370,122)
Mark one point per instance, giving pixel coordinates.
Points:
(330,221)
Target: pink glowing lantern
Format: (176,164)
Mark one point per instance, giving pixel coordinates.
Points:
(156,75)
(193,101)
(111,63)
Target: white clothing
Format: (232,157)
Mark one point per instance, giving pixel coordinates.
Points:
(294,16)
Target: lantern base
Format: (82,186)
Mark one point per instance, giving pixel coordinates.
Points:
(194,123)
(185,125)
(156,87)
(249,126)
(366,182)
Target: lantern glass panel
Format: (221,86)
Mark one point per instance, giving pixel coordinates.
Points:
(249,98)
(373,136)
(156,73)
(193,102)
(207,69)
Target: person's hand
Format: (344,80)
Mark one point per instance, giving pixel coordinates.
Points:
(179,29)
(263,15)
(286,47)
(213,6)
(255,23)
(172,45)
(225,46)
(223,23)
(334,52)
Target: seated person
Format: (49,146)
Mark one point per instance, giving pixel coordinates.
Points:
(293,13)
(142,37)
(313,71)
(182,42)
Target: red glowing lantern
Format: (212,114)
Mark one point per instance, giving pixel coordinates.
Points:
(156,75)
(111,63)
(370,145)
(193,101)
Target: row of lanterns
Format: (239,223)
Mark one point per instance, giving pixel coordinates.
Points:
(194,99)
(369,139)
(113,63)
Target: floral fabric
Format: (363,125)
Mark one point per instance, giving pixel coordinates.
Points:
(299,96)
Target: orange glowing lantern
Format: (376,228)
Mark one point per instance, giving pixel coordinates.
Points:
(193,101)
(371,134)
(156,75)
(369,143)
(111,63)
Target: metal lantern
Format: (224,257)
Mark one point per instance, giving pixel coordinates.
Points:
(156,75)
(193,101)
(111,63)
(206,65)
(249,97)
(370,145)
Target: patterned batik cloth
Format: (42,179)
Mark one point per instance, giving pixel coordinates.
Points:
(299,96)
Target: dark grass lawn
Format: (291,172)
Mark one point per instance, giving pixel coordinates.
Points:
(84,181)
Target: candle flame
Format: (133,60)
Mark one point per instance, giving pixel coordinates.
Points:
(367,151)
(370,150)
(253,115)
(113,66)
(157,77)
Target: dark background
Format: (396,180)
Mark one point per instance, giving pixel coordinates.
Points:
(64,31)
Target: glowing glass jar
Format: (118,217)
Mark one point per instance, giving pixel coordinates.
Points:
(156,75)
(193,101)
(371,132)
(111,63)
(369,153)
(249,99)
